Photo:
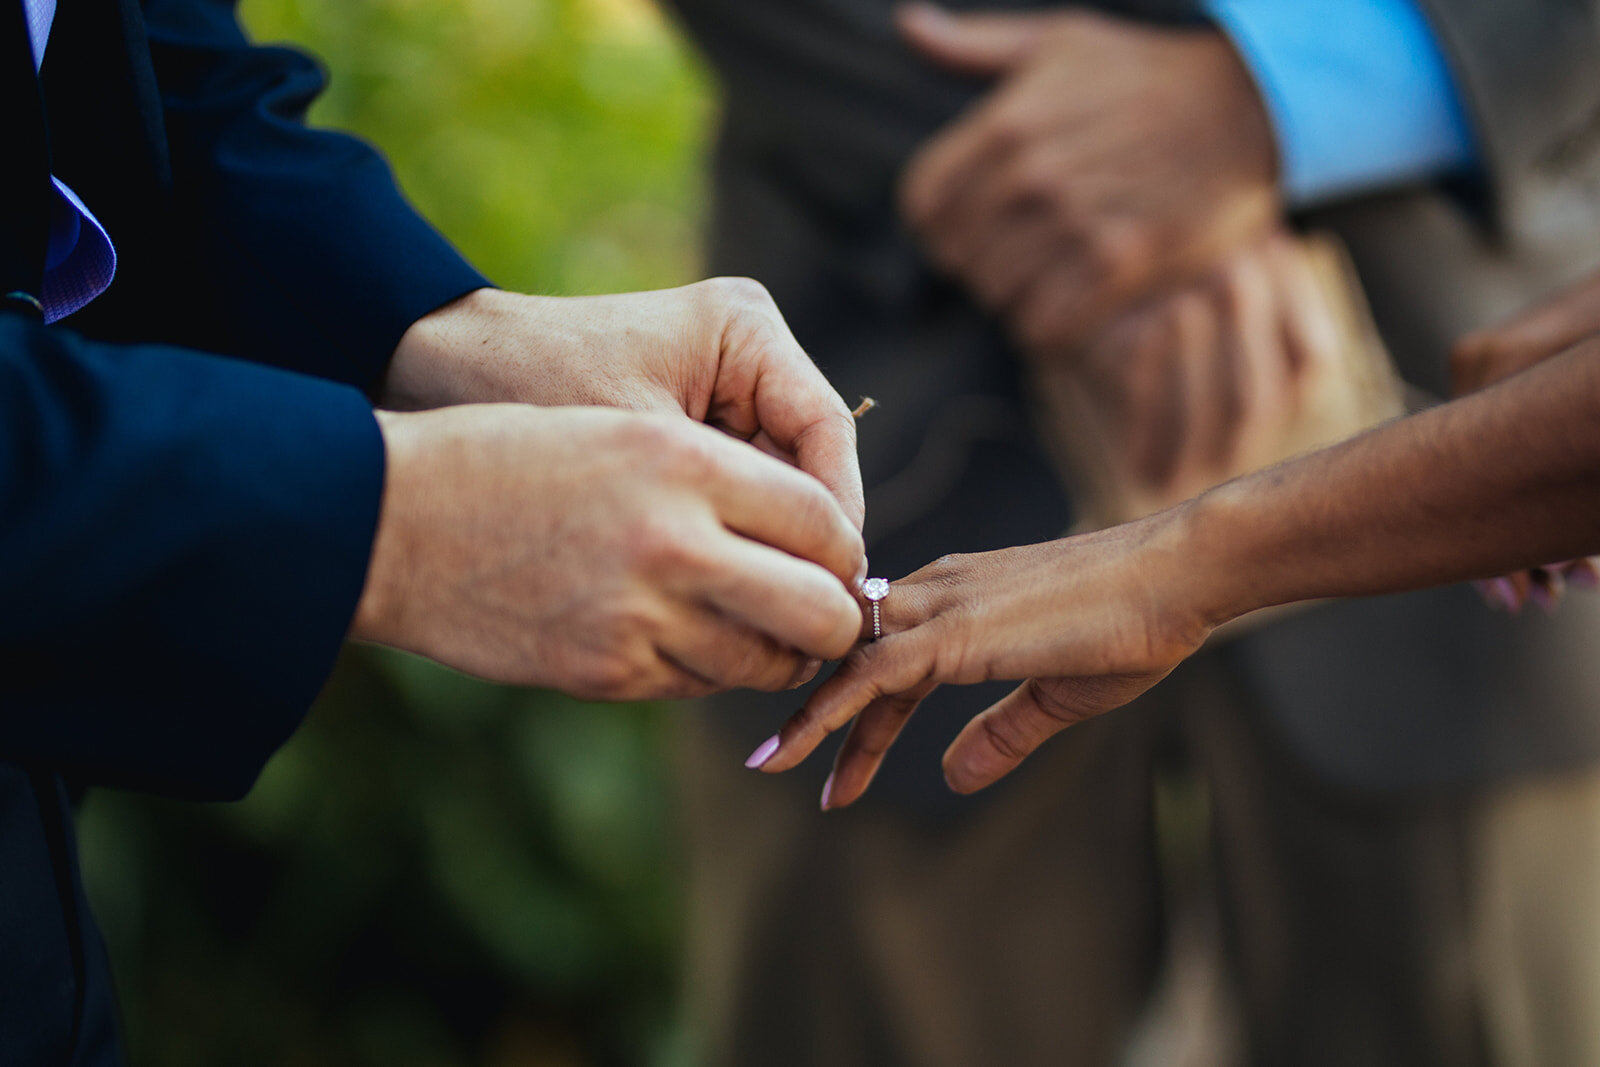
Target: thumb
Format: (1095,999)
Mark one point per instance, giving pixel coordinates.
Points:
(972,44)
(993,744)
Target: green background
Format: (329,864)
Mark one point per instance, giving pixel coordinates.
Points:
(436,871)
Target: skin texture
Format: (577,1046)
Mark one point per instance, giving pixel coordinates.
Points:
(1109,161)
(616,554)
(1483,358)
(1500,480)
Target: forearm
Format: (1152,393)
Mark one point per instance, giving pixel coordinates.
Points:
(1504,479)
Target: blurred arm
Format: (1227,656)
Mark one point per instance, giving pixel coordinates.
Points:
(1359,93)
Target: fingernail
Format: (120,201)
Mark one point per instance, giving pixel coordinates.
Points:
(827,791)
(759,757)
(861,578)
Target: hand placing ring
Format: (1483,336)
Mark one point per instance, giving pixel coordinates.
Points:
(875,589)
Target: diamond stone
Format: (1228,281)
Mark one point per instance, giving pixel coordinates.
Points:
(875,588)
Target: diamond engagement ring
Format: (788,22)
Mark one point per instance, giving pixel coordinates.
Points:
(875,589)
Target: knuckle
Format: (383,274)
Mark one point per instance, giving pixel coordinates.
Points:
(656,439)
(1037,178)
(659,545)
(946,570)
(741,292)
(685,453)
(1115,251)
(771,670)
(1009,129)
(954,659)
(612,676)
(831,629)
(1057,710)
(1000,733)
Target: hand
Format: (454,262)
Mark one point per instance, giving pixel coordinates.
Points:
(717,351)
(1480,359)
(1201,383)
(1111,158)
(610,555)
(1091,621)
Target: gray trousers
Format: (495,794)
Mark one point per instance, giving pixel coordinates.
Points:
(1168,887)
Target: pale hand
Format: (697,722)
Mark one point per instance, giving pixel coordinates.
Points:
(717,351)
(610,555)
(1111,159)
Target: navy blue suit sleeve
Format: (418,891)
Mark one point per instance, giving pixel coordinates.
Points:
(313,258)
(183,539)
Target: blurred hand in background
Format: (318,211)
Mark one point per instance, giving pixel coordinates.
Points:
(1204,381)
(1110,159)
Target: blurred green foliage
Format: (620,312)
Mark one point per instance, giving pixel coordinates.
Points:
(437,871)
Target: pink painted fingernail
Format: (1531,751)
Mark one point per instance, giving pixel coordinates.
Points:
(827,791)
(759,757)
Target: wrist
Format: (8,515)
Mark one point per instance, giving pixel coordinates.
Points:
(440,360)
(379,613)
(1217,564)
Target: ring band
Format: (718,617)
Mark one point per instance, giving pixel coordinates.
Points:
(875,589)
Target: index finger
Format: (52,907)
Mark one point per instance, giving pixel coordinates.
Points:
(788,407)
(897,671)
(767,500)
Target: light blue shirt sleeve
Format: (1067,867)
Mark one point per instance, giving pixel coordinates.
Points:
(1359,93)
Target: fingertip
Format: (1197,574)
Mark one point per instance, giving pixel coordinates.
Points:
(764,752)
(960,777)
(846,632)
(806,672)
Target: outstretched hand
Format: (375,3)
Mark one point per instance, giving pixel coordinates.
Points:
(1090,622)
